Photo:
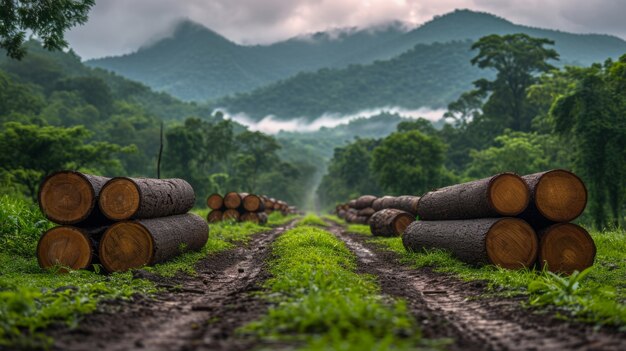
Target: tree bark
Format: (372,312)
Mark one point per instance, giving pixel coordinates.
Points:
(231,214)
(234,200)
(253,203)
(69,247)
(215,202)
(506,242)
(71,198)
(382,202)
(565,248)
(143,198)
(505,194)
(364,201)
(406,203)
(133,244)
(215,216)
(390,222)
(366,212)
(555,196)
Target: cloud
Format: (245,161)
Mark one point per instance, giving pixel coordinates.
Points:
(122,26)
(271,125)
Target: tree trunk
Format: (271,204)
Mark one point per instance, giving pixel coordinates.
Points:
(565,248)
(253,203)
(506,242)
(215,202)
(133,244)
(234,200)
(390,222)
(255,217)
(143,198)
(269,205)
(555,196)
(366,212)
(67,246)
(505,194)
(69,197)
(383,202)
(364,202)
(215,216)
(231,215)
(406,203)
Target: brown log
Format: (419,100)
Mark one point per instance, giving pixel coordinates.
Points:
(231,215)
(254,217)
(555,196)
(69,197)
(506,242)
(352,203)
(215,201)
(234,200)
(366,212)
(360,219)
(364,201)
(390,222)
(68,246)
(565,248)
(269,204)
(341,214)
(253,203)
(382,202)
(133,244)
(142,198)
(406,203)
(505,194)
(215,216)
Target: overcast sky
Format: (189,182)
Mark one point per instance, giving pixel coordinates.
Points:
(122,26)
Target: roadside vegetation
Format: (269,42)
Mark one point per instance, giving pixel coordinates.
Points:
(320,301)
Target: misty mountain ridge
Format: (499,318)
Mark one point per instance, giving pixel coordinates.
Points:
(196,63)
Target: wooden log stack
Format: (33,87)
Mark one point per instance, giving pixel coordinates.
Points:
(244,207)
(122,223)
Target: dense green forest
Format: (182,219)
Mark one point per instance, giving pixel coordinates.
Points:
(530,117)
(57,113)
(215,66)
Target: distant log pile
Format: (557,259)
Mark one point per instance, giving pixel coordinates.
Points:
(244,207)
(121,223)
(506,220)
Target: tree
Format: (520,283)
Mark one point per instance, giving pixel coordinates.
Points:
(517,58)
(257,152)
(593,118)
(466,109)
(409,163)
(46,19)
(30,152)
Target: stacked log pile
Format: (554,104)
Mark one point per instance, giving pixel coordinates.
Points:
(121,223)
(244,207)
(386,216)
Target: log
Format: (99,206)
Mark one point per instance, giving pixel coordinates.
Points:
(231,215)
(215,216)
(269,204)
(390,222)
(253,203)
(555,196)
(352,203)
(255,217)
(364,201)
(69,197)
(505,194)
(506,242)
(215,201)
(133,244)
(234,200)
(142,198)
(366,212)
(361,219)
(406,203)
(67,246)
(565,248)
(382,202)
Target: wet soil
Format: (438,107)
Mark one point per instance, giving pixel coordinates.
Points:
(198,312)
(447,307)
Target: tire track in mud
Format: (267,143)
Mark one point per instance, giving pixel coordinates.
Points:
(446,307)
(199,312)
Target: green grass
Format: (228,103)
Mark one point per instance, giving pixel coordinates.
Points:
(32,298)
(598,296)
(312,220)
(321,302)
(359,229)
(334,219)
(276,219)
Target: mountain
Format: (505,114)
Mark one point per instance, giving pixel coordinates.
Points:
(196,63)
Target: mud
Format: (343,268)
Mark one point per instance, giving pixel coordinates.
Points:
(198,312)
(447,307)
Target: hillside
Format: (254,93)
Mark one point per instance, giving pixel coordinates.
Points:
(196,63)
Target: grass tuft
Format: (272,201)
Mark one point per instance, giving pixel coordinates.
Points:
(312,220)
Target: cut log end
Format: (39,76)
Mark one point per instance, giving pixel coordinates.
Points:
(66,247)
(66,198)
(402,221)
(512,243)
(119,199)
(215,201)
(508,194)
(560,196)
(566,248)
(126,245)
(232,200)
(253,203)
(231,215)
(215,216)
